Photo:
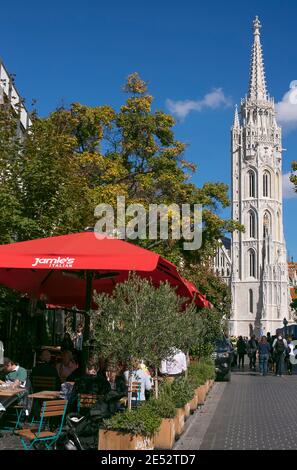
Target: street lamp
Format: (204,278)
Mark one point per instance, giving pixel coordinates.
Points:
(285,322)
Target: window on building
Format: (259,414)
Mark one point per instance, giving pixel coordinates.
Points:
(252,223)
(252,263)
(252,184)
(251,301)
(266,184)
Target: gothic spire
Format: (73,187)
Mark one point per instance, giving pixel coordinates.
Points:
(236,124)
(257,84)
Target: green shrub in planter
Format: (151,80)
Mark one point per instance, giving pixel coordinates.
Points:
(209,368)
(142,420)
(163,407)
(195,377)
(200,372)
(180,392)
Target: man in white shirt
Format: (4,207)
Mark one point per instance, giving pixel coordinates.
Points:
(175,365)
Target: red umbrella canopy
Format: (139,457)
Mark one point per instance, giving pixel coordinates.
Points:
(54,269)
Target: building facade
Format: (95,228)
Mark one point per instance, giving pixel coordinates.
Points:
(222,263)
(259,279)
(10,95)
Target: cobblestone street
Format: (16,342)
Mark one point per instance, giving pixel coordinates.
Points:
(250,412)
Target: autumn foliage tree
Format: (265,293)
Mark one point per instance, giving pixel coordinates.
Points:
(81,156)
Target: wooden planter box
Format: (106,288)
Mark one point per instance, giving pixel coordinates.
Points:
(187,410)
(114,440)
(165,437)
(179,421)
(201,394)
(194,403)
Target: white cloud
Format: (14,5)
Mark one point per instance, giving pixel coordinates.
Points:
(286,109)
(214,99)
(288,187)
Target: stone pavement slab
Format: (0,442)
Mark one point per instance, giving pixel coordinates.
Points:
(250,412)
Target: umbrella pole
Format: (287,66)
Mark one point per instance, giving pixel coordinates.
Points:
(86,337)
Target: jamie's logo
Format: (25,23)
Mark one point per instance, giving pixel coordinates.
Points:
(54,262)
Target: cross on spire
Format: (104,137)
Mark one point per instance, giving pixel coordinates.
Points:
(257,85)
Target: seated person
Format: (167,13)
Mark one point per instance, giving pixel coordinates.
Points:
(67,366)
(89,383)
(139,375)
(16,376)
(46,369)
(118,386)
(117,380)
(78,372)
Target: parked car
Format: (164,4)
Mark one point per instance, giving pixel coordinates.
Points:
(223,357)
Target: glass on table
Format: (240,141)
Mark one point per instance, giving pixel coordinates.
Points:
(5,385)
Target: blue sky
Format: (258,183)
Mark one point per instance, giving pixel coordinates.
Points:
(82,51)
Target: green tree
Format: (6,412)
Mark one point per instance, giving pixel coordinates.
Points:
(139,321)
(293,304)
(293,177)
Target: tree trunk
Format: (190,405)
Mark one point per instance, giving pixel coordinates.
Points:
(130,391)
(156,384)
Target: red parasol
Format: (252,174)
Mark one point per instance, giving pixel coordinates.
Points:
(56,269)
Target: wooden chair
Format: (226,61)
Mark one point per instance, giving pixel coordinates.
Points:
(135,390)
(13,418)
(40,383)
(50,409)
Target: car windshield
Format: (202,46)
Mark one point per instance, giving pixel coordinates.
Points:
(222,343)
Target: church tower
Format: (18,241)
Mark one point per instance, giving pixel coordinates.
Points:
(259,281)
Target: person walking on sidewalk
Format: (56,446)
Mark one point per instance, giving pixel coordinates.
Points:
(289,353)
(252,351)
(279,349)
(241,349)
(264,350)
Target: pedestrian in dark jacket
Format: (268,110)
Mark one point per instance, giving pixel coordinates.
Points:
(252,351)
(241,350)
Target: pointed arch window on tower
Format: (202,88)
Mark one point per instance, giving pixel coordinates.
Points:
(252,222)
(251,301)
(252,263)
(252,184)
(266,184)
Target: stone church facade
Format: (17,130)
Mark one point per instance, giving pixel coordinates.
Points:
(259,277)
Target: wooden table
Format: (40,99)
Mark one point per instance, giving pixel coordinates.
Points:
(46,395)
(10,392)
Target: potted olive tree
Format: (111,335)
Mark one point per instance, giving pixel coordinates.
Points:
(132,430)
(164,408)
(139,321)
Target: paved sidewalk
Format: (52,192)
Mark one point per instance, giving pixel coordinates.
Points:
(10,442)
(198,423)
(251,412)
